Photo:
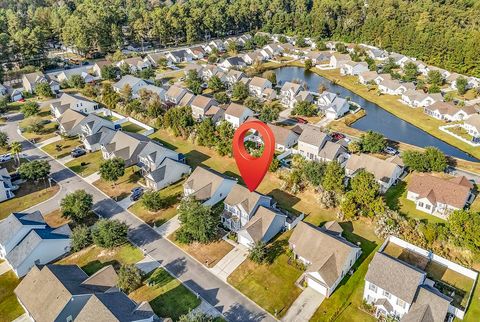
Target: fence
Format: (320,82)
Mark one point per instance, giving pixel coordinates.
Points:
(124,119)
(445,128)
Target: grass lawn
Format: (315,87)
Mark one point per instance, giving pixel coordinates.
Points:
(93,258)
(172,196)
(131,127)
(86,164)
(460,131)
(10,309)
(207,254)
(167,296)
(123,186)
(270,285)
(11,164)
(473,311)
(26,196)
(61,148)
(48,130)
(54,219)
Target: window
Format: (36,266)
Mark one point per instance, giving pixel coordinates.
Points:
(428,207)
(420,204)
(401,303)
(372,287)
(386,294)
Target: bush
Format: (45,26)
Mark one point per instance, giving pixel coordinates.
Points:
(195,317)
(76,205)
(152,201)
(327,199)
(198,222)
(109,233)
(43,89)
(274,165)
(258,252)
(29,109)
(81,238)
(129,278)
(304,108)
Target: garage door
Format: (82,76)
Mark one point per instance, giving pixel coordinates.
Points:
(317,286)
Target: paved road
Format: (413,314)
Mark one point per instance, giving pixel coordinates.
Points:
(231,303)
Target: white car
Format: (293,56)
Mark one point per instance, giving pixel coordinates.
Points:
(5,157)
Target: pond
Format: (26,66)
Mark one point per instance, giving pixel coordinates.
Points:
(376,119)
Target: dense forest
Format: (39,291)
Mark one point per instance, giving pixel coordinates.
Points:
(445,33)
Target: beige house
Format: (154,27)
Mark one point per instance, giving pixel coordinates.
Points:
(257,85)
(207,186)
(265,224)
(200,105)
(236,114)
(284,138)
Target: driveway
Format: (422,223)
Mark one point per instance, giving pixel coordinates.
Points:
(169,227)
(304,306)
(231,303)
(4,267)
(230,262)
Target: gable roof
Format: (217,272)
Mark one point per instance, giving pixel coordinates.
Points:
(330,150)
(312,135)
(326,253)
(261,221)
(204,183)
(240,195)
(70,119)
(294,87)
(236,110)
(430,306)
(258,82)
(453,192)
(394,276)
(10,226)
(130,80)
(281,134)
(202,102)
(383,170)
(127,145)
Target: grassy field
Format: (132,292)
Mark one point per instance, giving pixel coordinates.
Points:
(167,296)
(91,164)
(94,258)
(10,309)
(26,196)
(48,130)
(171,195)
(123,186)
(62,148)
(131,127)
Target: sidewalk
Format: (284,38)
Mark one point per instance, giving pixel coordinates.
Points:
(4,267)
(125,203)
(48,141)
(169,227)
(230,262)
(92,178)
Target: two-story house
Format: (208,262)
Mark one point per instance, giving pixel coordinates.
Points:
(236,114)
(175,94)
(31,80)
(284,138)
(207,186)
(311,141)
(353,68)
(200,105)
(327,255)
(129,81)
(92,125)
(134,64)
(240,205)
(233,76)
(414,98)
(75,102)
(6,185)
(265,224)
(288,92)
(257,85)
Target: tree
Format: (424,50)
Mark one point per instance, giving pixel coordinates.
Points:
(334,177)
(112,169)
(76,81)
(372,142)
(462,85)
(308,64)
(81,238)
(3,139)
(434,77)
(364,197)
(16,148)
(304,108)
(43,89)
(34,170)
(274,165)
(258,252)
(153,201)
(320,45)
(432,159)
(371,64)
(341,48)
(254,104)
(435,159)
(129,278)
(314,172)
(410,71)
(197,222)
(282,39)
(3,104)
(222,97)
(239,91)
(464,226)
(232,47)
(77,205)
(194,82)
(434,89)
(300,42)
(215,84)
(270,112)
(109,72)
(30,108)
(147,73)
(179,120)
(108,233)
(271,77)
(390,65)
(206,133)
(195,317)
(225,133)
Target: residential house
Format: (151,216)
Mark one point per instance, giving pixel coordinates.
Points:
(367,77)
(94,142)
(288,92)
(67,293)
(376,54)
(269,94)
(303,96)
(327,255)
(242,40)
(448,112)
(74,102)
(66,75)
(398,59)
(152,89)
(97,67)
(207,186)
(154,58)
(200,105)
(273,49)
(284,138)
(472,125)
(186,99)
(236,114)
(174,94)
(216,44)
(353,68)
(443,72)
(26,240)
(16,95)
(6,185)
(386,172)
(415,98)
(252,57)
(233,76)
(240,205)
(311,141)
(232,62)
(197,52)
(421,66)
(30,81)
(265,224)
(326,98)
(179,56)
(216,113)
(126,146)
(69,123)
(337,60)
(394,87)
(337,108)
(382,77)
(318,57)
(439,196)
(257,85)
(134,83)
(135,64)
(333,151)
(208,71)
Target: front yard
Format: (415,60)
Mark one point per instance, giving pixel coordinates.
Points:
(122,188)
(167,296)
(93,258)
(48,130)
(62,148)
(28,195)
(171,195)
(10,309)
(86,164)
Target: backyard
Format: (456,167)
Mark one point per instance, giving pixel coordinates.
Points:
(131,127)
(86,164)
(10,309)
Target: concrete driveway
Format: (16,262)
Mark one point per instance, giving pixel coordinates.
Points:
(230,262)
(304,306)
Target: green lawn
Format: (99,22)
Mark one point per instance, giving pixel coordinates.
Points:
(62,148)
(86,164)
(171,195)
(131,127)
(272,286)
(167,296)
(93,258)
(10,309)
(123,186)
(27,196)
(48,130)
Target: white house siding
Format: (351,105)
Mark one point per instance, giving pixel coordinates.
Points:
(5,249)
(221,192)
(372,293)
(309,151)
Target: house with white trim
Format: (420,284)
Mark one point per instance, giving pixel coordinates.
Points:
(353,68)
(207,186)
(416,98)
(74,102)
(257,85)
(236,114)
(265,224)
(6,185)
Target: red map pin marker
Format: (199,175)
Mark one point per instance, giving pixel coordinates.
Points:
(251,168)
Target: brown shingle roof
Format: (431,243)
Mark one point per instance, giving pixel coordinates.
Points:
(204,182)
(236,110)
(280,133)
(312,135)
(258,226)
(241,195)
(258,81)
(201,101)
(429,306)
(381,169)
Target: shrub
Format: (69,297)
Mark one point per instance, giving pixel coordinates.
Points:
(152,201)
(109,233)
(129,278)
(81,238)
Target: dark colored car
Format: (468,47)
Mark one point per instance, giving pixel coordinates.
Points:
(136,193)
(300,120)
(337,136)
(78,152)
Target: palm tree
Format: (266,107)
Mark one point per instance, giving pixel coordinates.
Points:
(16,149)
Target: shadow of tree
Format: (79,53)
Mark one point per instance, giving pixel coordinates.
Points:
(393,195)
(194,158)
(166,144)
(275,249)
(96,265)
(285,200)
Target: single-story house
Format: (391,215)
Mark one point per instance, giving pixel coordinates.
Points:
(133,82)
(472,125)
(448,112)
(337,60)
(134,64)
(367,77)
(232,62)
(353,68)
(416,98)
(393,87)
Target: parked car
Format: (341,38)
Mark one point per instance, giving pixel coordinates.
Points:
(337,136)
(5,157)
(391,150)
(78,152)
(300,120)
(136,193)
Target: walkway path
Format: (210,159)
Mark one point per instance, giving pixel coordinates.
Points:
(49,141)
(230,262)
(304,306)
(125,203)
(93,177)
(169,227)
